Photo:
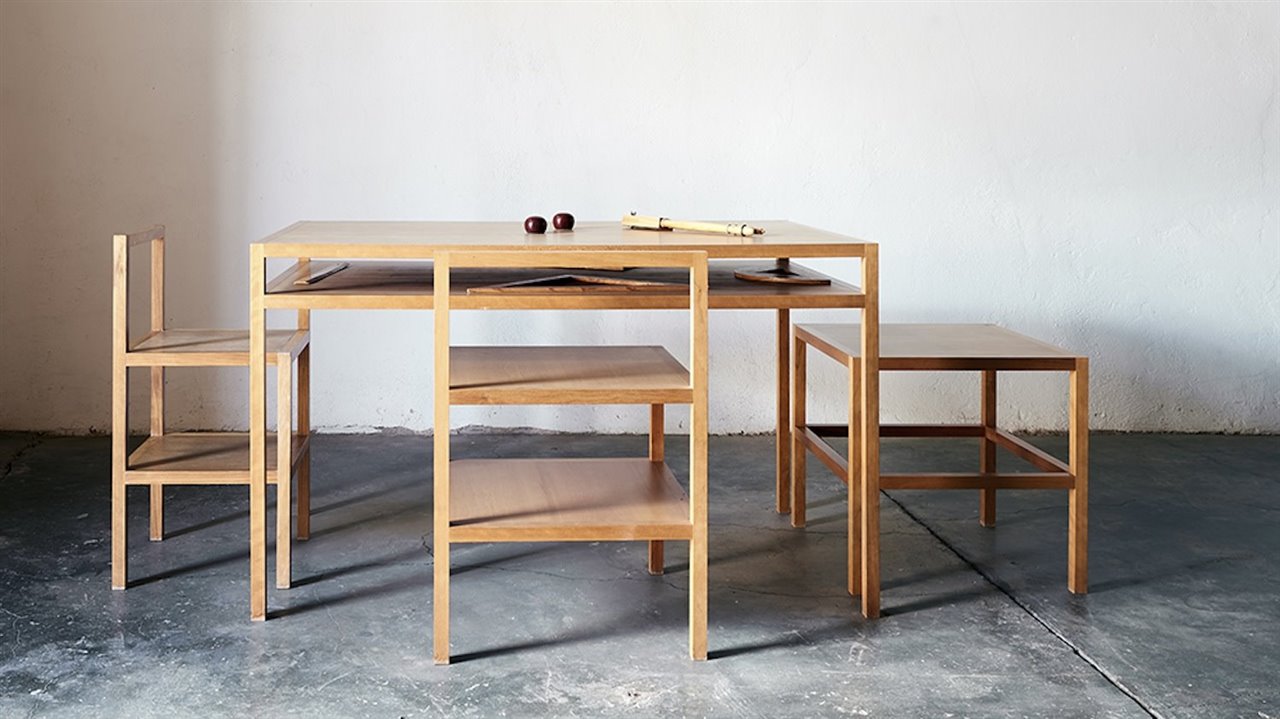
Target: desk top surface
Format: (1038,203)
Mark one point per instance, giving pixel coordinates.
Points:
(410,239)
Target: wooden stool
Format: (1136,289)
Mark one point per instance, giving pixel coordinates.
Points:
(919,347)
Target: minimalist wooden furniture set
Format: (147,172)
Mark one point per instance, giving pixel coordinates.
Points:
(448,266)
(199,458)
(941,348)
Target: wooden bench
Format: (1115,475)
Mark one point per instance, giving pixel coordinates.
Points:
(942,348)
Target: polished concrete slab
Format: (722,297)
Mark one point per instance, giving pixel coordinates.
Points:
(1183,619)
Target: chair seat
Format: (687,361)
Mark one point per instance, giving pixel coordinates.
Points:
(209,348)
(940,347)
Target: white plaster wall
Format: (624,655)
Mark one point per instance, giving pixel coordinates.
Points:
(1099,175)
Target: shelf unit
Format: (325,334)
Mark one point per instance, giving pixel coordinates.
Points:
(199,458)
(558,500)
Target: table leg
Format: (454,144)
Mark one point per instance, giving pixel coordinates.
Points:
(657,453)
(784,412)
(257,436)
(870,445)
(798,421)
(1078,528)
(987,503)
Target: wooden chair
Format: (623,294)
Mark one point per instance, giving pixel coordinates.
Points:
(559,500)
(923,347)
(198,458)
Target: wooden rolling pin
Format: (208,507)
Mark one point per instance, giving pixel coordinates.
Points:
(644,222)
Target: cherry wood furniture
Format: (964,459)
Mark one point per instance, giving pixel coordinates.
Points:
(945,348)
(570,500)
(389,268)
(198,458)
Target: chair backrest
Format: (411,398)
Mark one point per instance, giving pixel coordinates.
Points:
(121,248)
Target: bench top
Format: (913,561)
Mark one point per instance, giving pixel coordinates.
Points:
(940,346)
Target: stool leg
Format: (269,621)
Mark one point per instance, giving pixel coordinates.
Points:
(1078,429)
(987,505)
(784,412)
(284,471)
(157,429)
(657,452)
(798,470)
(853,480)
(303,528)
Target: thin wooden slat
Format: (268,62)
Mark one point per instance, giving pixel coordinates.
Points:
(961,480)
(851,476)
(657,453)
(906,430)
(155,232)
(284,472)
(783,409)
(441,536)
(1034,455)
(796,425)
(202,458)
(257,436)
(119,408)
(987,458)
(868,383)
(1078,510)
(824,452)
(157,381)
(698,344)
(304,429)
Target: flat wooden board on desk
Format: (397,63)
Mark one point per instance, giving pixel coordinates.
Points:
(389,240)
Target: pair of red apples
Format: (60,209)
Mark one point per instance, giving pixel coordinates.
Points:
(537,225)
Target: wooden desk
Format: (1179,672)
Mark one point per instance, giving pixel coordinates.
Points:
(389,270)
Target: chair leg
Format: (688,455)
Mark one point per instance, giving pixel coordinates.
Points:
(867,486)
(284,471)
(987,504)
(784,410)
(1078,527)
(657,453)
(798,420)
(304,428)
(853,481)
(119,459)
(157,512)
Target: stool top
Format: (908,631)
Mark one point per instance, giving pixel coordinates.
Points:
(941,346)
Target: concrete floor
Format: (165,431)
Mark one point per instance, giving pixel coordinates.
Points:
(1183,619)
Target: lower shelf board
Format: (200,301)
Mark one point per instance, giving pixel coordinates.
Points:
(202,458)
(560,500)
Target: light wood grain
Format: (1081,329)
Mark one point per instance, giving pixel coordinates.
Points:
(987,459)
(868,379)
(657,453)
(119,408)
(566,375)
(157,378)
(798,474)
(440,477)
(363,239)
(202,458)
(782,441)
(942,347)
(407,285)
(571,500)
(258,465)
(955,348)
(1078,502)
(565,500)
(284,473)
(211,348)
